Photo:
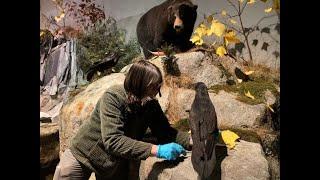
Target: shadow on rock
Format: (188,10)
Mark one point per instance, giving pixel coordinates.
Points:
(158,167)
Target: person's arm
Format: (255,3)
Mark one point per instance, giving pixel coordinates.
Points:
(160,127)
(112,130)
(154,150)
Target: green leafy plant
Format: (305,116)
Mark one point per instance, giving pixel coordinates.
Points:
(102,39)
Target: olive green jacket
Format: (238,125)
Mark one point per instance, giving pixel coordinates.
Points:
(112,135)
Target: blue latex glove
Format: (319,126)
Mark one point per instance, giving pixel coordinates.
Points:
(170,151)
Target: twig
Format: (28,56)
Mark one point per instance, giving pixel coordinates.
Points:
(265,17)
(234,6)
(230,55)
(243,7)
(244,34)
(232,15)
(227,24)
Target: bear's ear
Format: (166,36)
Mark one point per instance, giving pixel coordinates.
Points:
(170,14)
(195,7)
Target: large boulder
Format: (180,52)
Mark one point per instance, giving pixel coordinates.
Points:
(245,161)
(155,168)
(79,108)
(233,113)
(174,101)
(230,111)
(193,65)
(200,69)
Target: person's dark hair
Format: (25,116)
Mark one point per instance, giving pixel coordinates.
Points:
(142,76)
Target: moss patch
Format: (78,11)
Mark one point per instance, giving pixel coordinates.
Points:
(245,134)
(224,71)
(257,88)
(182,125)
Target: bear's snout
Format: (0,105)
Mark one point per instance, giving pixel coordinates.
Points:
(178,27)
(178,24)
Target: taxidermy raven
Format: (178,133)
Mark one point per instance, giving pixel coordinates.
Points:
(104,64)
(203,125)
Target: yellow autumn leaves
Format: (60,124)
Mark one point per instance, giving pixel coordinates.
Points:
(248,94)
(221,51)
(59,4)
(275,6)
(230,37)
(249,1)
(268,10)
(229,138)
(214,28)
(59,17)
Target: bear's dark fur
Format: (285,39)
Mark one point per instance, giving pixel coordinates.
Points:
(170,23)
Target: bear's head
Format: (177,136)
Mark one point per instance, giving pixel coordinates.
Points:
(182,15)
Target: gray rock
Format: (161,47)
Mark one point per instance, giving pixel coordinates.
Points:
(155,168)
(233,113)
(200,69)
(47,103)
(194,66)
(54,112)
(125,69)
(245,161)
(230,112)
(79,109)
(270,98)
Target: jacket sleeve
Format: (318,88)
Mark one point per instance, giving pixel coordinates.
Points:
(112,130)
(161,128)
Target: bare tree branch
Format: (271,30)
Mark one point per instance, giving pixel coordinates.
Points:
(244,6)
(265,17)
(252,28)
(234,6)
(229,26)
(244,33)
(232,16)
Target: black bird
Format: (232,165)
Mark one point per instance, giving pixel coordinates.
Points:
(204,129)
(106,63)
(241,75)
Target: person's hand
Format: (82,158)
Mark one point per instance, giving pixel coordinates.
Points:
(170,151)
